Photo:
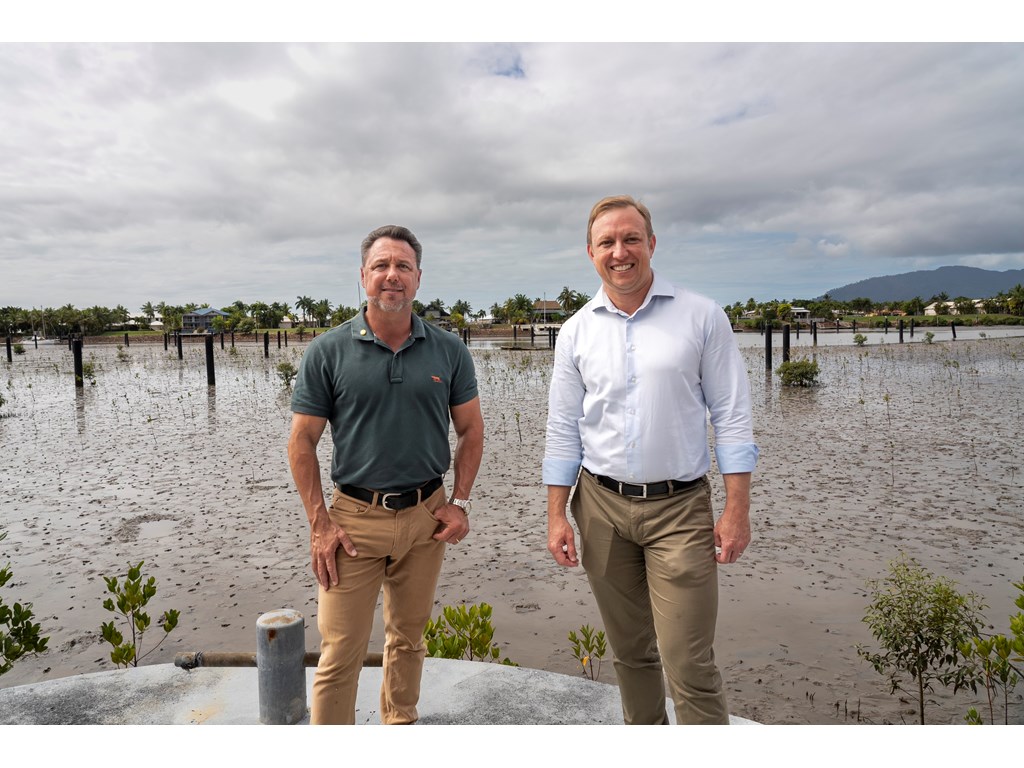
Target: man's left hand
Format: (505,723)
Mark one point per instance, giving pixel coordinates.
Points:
(455,524)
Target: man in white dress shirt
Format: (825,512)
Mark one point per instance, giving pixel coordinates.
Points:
(637,373)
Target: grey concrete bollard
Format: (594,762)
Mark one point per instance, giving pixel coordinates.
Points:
(280,651)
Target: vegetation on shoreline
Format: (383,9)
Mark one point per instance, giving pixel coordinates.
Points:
(1003,309)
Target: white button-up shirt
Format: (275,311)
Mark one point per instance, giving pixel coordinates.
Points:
(631,395)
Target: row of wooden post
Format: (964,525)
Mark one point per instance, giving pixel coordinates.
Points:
(766,330)
(76,343)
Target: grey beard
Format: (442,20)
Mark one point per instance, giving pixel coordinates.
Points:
(389,306)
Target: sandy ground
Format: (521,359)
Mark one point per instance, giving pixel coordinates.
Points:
(913,448)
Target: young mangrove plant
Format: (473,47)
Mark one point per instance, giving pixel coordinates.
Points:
(287,373)
(798,373)
(922,622)
(587,647)
(1001,661)
(18,635)
(463,633)
(130,598)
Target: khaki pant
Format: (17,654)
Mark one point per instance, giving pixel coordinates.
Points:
(395,550)
(651,567)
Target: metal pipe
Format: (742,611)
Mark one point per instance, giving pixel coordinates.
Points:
(248,659)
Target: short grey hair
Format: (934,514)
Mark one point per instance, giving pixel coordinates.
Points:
(394,232)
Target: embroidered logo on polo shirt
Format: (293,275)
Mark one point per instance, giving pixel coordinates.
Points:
(436,379)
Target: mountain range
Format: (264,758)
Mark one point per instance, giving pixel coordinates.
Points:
(972,282)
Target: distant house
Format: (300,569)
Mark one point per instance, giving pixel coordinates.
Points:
(200,320)
(800,313)
(546,311)
(439,317)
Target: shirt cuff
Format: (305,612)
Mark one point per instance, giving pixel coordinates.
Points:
(735,459)
(560,472)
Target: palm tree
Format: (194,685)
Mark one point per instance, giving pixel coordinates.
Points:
(322,311)
(305,305)
(566,299)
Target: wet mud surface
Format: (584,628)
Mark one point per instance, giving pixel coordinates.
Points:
(909,448)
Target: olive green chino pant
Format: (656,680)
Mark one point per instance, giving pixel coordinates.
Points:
(396,551)
(651,566)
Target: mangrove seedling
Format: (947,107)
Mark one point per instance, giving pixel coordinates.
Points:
(18,635)
(463,633)
(130,598)
(922,623)
(587,647)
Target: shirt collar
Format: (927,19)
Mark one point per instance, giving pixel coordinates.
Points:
(659,287)
(361,329)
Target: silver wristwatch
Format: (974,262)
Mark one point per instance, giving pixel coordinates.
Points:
(464,503)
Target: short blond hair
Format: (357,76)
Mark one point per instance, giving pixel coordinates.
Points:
(618,201)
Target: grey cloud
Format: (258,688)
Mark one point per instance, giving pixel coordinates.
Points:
(801,167)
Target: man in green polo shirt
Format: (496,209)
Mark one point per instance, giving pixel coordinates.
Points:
(389,384)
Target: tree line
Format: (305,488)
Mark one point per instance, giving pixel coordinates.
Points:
(517,310)
(1004,303)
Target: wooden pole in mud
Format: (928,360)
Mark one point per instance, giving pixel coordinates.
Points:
(768,346)
(10,357)
(126,340)
(232,339)
(266,343)
(785,343)
(278,339)
(911,327)
(814,333)
(222,339)
(76,350)
(286,338)
(165,342)
(952,327)
(181,355)
(901,330)
(211,375)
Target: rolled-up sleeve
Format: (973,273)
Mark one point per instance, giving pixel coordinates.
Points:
(727,394)
(563,449)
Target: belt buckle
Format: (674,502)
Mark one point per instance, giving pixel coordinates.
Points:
(642,495)
(384,501)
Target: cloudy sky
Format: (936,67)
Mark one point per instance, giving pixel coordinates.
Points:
(214,172)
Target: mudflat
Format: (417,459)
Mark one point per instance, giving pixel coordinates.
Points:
(903,448)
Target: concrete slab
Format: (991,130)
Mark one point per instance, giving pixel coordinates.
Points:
(452,693)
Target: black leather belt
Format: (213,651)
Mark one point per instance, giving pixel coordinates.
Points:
(393,500)
(643,490)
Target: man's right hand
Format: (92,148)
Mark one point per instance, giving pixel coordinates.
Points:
(324,540)
(562,542)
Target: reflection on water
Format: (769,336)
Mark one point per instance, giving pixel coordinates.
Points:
(827,337)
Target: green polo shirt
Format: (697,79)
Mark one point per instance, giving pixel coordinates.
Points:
(389,411)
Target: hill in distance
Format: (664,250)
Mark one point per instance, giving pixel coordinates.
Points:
(972,282)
